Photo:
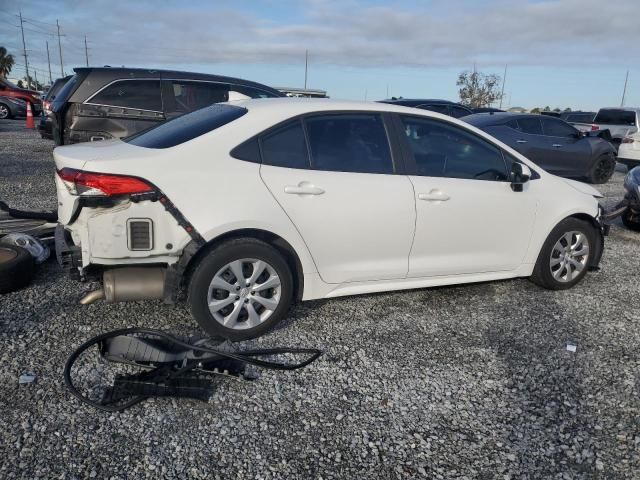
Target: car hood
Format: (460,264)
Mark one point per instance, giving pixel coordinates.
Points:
(583,188)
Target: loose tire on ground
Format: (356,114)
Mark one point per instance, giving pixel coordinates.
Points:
(214,282)
(17,268)
(543,273)
(602,169)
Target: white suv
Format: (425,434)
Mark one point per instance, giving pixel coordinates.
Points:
(252,205)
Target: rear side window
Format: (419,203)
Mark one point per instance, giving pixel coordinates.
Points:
(443,150)
(186,127)
(138,94)
(349,143)
(614,116)
(557,128)
(285,147)
(189,96)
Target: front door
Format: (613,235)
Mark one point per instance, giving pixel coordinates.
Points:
(468,219)
(341,191)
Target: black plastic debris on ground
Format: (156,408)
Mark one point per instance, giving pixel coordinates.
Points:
(168,366)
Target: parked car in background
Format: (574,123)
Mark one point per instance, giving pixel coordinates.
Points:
(452,109)
(103,103)
(583,121)
(251,205)
(629,150)
(11,107)
(8,89)
(44,125)
(552,143)
(621,122)
(631,215)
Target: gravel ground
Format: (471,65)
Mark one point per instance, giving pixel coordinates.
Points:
(459,382)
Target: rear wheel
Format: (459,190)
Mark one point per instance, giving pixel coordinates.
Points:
(566,255)
(602,169)
(241,289)
(4,111)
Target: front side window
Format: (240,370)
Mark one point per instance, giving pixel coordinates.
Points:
(285,147)
(557,128)
(443,150)
(349,143)
(530,125)
(139,94)
(190,96)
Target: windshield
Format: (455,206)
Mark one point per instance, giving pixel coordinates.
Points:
(186,127)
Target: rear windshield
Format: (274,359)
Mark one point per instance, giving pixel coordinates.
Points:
(186,127)
(614,116)
(580,117)
(55,88)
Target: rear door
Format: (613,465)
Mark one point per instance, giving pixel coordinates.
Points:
(335,176)
(119,109)
(569,152)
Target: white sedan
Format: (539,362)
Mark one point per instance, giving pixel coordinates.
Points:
(252,205)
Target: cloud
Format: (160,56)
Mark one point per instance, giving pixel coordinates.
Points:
(349,33)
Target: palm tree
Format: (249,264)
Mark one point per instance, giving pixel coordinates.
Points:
(6,62)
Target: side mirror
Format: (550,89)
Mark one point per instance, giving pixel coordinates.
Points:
(520,174)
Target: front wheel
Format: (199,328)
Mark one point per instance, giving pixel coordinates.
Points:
(566,255)
(602,169)
(4,111)
(241,289)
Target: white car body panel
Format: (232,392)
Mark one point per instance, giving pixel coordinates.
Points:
(630,151)
(366,233)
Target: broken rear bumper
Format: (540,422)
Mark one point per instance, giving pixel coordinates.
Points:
(68,254)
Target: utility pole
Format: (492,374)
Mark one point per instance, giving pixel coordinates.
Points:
(24,51)
(306,66)
(49,62)
(60,49)
(624,92)
(504,80)
(86,52)
(387,90)
(35,74)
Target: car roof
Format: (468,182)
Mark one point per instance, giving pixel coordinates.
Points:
(625,109)
(418,101)
(298,106)
(102,76)
(495,118)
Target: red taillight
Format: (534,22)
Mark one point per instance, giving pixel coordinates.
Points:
(595,127)
(79,182)
(46,106)
(627,140)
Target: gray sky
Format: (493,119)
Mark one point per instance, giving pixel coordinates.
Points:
(560,52)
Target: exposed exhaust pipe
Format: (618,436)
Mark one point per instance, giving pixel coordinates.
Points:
(129,284)
(91,297)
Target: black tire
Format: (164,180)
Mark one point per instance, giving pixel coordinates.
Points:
(629,222)
(602,169)
(17,268)
(542,273)
(5,111)
(222,255)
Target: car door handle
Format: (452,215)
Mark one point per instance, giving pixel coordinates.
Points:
(303,189)
(434,196)
(522,141)
(556,145)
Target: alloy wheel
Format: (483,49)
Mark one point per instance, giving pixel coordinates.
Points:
(4,111)
(244,293)
(569,256)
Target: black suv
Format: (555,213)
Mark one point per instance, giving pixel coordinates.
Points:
(452,109)
(103,103)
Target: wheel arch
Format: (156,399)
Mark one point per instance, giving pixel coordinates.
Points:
(280,244)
